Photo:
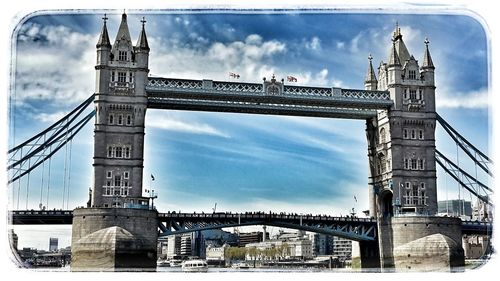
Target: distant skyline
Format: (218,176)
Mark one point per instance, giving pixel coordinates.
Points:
(245,162)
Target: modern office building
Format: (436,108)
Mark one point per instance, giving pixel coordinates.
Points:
(53,244)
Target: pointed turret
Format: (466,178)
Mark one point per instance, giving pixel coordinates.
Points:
(400,45)
(104,37)
(394,57)
(370,79)
(427,64)
(142,42)
(123,33)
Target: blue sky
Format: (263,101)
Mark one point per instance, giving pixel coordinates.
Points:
(245,162)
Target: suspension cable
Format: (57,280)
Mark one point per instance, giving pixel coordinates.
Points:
(48,180)
(28,188)
(69,172)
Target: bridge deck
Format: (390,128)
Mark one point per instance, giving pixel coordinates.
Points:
(176,223)
(208,95)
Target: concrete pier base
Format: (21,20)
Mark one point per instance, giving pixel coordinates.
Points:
(114,239)
(421,244)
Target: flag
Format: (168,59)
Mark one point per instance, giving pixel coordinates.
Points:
(355,199)
(291,79)
(152,177)
(234,75)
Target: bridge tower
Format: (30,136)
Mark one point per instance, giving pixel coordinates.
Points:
(118,231)
(120,103)
(402,166)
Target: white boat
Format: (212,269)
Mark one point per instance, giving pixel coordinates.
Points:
(162,263)
(240,265)
(175,263)
(195,266)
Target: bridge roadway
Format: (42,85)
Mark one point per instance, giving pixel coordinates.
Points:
(358,229)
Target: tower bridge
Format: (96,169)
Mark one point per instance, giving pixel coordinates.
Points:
(119,229)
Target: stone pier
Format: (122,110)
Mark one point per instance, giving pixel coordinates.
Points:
(114,239)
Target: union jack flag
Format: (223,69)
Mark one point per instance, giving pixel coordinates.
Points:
(234,75)
(291,79)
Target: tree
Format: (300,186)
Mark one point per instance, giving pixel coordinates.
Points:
(253,252)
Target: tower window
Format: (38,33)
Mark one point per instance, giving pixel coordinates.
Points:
(120,119)
(125,175)
(111,119)
(406,164)
(412,74)
(122,77)
(122,55)
(382,136)
(130,77)
(127,152)
(420,134)
(413,93)
(420,164)
(112,76)
(129,119)
(405,134)
(413,134)
(109,174)
(413,164)
(118,180)
(118,152)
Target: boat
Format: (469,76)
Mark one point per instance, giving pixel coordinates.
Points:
(175,263)
(240,265)
(162,263)
(195,266)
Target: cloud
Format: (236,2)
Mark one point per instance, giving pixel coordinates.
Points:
(166,121)
(473,100)
(251,58)
(314,44)
(50,117)
(53,63)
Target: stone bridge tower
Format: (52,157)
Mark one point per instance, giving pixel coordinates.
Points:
(120,103)
(119,231)
(402,166)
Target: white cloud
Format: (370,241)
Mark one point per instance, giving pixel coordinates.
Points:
(166,121)
(50,117)
(314,44)
(252,59)
(474,100)
(54,63)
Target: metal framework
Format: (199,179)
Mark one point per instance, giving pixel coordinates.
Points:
(483,161)
(270,97)
(28,155)
(357,229)
(470,183)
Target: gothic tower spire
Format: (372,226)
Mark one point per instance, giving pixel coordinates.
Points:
(123,35)
(428,64)
(370,79)
(104,37)
(394,57)
(142,42)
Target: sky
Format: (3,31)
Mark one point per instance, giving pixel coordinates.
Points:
(242,162)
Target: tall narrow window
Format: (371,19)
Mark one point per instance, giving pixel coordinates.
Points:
(120,119)
(118,180)
(111,119)
(109,174)
(420,164)
(420,134)
(129,119)
(112,76)
(122,55)
(413,164)
(382,136)
(118,152)
(413,134)
(130,77)
(125,175)
(405,133)
(406,163)
(127,151)
(110,151)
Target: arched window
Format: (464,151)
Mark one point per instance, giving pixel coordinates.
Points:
(382,136)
